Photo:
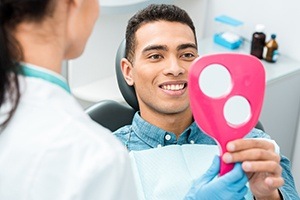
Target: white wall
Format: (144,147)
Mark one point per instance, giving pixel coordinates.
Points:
(97,60)
(279,16)
(197,9)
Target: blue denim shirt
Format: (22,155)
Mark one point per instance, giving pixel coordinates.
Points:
(142,135)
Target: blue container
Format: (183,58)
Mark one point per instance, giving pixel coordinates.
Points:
(227,36)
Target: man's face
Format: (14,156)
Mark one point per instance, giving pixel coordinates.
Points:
(164,52)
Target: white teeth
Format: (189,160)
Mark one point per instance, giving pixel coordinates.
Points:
(173,87)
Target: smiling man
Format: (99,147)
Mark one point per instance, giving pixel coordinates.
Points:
(161,44)
(158,69)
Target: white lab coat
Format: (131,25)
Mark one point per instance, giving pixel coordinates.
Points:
(51,150)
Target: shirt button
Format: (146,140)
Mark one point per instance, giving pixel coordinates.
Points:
(192,142)
(168,137)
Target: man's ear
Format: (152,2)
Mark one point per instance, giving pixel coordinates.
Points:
(127,68)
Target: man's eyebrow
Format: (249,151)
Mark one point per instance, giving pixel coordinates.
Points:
(187,45)
(155,47)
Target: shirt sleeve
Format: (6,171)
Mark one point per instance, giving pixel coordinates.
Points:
(288,190)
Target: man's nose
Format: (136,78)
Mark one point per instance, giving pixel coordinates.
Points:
(174,67)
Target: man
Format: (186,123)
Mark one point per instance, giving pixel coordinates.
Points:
(160,47)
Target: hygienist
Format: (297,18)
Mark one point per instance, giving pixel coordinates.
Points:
(49,148)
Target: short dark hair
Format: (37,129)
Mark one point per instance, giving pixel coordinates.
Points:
(151,13)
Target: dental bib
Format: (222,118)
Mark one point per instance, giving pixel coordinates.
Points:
(167,173)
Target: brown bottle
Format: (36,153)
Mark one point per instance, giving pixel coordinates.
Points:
(258,41)
(271,50)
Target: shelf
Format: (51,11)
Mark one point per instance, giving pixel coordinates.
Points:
(274,71)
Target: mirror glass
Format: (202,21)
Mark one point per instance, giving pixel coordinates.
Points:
(215,81)
(237,110)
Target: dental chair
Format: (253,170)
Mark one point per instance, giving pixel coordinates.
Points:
(112,114)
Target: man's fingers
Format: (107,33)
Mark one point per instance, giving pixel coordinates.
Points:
(270,168)
(251,155)
(243,144)
(274,182)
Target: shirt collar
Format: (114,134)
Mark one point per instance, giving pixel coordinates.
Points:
(157,137)
(31,70)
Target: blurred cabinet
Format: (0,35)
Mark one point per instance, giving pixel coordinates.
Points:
(281,110)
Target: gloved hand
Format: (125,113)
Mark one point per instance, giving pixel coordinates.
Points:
(231,186)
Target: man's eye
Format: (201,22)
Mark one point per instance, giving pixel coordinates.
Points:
(155,57)
(188,55)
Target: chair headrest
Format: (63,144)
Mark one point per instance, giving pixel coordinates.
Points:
(127,91)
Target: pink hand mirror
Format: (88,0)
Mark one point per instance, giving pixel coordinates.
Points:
(226,96)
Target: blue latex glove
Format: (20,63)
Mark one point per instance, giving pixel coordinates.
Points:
(231,186)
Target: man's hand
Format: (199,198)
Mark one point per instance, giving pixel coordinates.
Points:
(261,164)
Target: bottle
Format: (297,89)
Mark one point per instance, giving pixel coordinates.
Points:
(258,41)
(271,50)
